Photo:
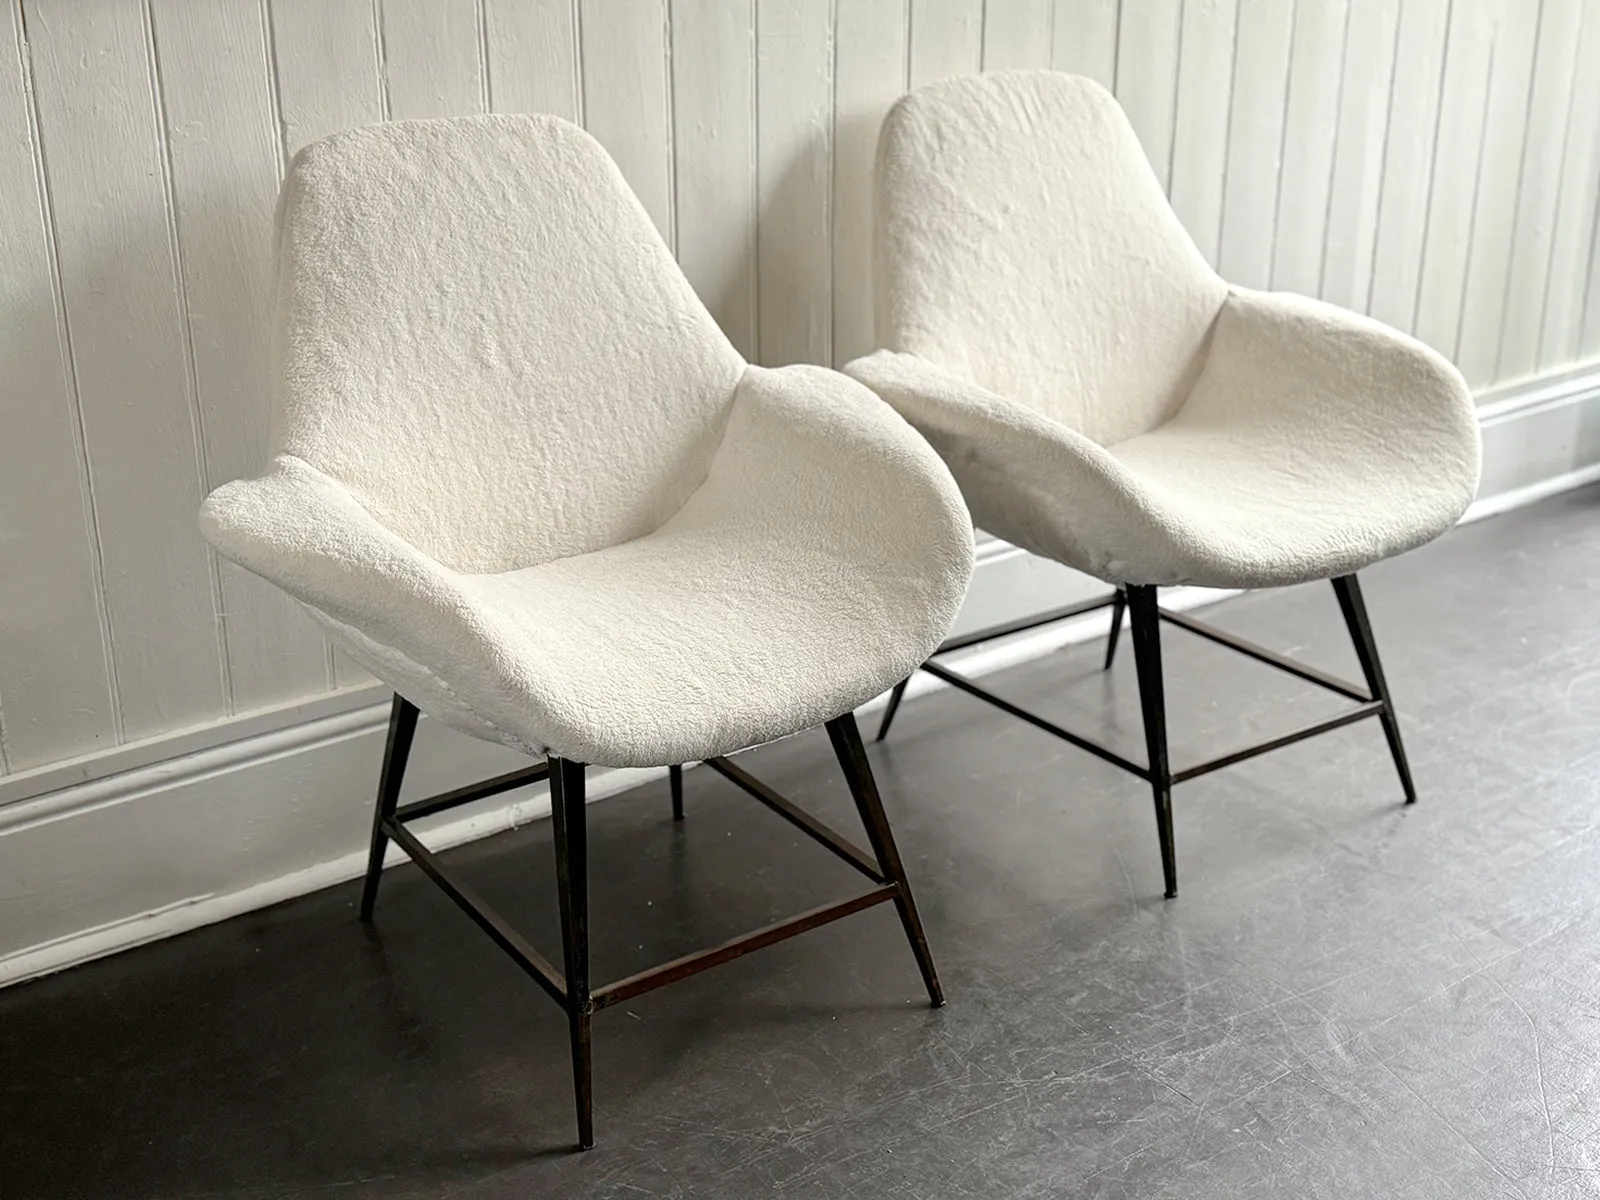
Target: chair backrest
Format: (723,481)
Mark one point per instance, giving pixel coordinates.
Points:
(1025,244)
(482,336)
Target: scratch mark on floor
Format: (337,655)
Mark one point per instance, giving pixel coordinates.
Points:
(1538,1063)
(1451,1126)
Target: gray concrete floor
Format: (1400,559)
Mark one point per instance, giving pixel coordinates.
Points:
(1349,999)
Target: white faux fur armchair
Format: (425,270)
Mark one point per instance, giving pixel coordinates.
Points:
(522,477)
(1106,400)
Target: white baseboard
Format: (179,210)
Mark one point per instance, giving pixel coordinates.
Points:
(1539,438)
(120,848)
(203,836)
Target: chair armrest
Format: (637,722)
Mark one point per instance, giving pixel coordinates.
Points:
(1026,478)
(950,412)
(815,462)
(303,531)
(1309,370)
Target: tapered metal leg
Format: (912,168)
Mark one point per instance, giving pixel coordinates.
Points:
(402,726)
(846,738)
(675,775)
(1146,621)
(895,697)
(572,885)
(1348,589)
(1118,606)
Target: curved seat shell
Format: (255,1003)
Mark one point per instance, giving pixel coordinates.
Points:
(521,476)
(1103,398)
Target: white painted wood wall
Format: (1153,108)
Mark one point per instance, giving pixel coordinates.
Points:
(1434,162)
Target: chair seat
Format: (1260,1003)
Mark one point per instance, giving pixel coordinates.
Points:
(1230,508)
(1312,443)
(821,560)
(701,639)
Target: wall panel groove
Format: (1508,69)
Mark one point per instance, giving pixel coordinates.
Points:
(1499,184)
(57,673)
(480,21)
(1200,119)
(1578,203)
(431,58)
(672,124)
(533,56)
(870,59)
(1407,177)
(1256,120)
(1538,191)
(113,236)
(946,39)
(626,101)
(1083,39)
(1311,109)
(1359,140)
(191,391)
(1589,336)
(1447,240)
(713,115)
(226,158)
(274,101)
(1147,74)
(794,93)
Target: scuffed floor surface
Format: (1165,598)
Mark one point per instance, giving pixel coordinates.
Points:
(1348,999)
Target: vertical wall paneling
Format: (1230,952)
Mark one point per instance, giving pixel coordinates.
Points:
(1542,154)
(1255,140)
(1434,161)
(794,118)
(1576,207)
(626,98)
(1310,123)
(1016,33)
(532,58)
(1469,56)
(1084,39)
(1358,150)
(330,78)
(1499,172)
(1589,307)
(1408,160)
(328,67)
(869,73)
(1589,337)
(224,147)
(113,226)
(1200,124)
(432,57)
(1148,38)
(713,115)
(946,39)
(55,671)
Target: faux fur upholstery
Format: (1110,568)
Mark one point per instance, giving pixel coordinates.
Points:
(1023,242)
(487,303)
(522,477)
(1105,399)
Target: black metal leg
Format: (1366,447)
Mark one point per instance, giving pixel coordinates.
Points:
(402,726)
(1348,589)
(572,885)
(895,697)
(852,754)
(1119,605)
(675,774)
(1146,620)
